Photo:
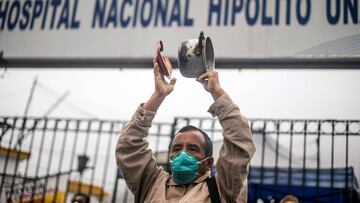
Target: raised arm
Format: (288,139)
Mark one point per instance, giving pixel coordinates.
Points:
(238,147)
(133,156)
(162,88)
(210,82)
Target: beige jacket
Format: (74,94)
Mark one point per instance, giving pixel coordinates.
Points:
(150,183)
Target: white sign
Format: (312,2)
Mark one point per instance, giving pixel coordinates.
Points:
(131,28)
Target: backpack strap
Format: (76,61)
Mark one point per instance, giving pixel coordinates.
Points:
(213,190)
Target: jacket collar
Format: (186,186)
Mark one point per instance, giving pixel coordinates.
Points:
(171,181)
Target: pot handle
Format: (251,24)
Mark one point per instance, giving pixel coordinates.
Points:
(199,48)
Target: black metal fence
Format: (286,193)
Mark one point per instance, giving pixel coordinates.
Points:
(52,159)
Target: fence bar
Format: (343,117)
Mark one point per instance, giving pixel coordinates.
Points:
(250,169)
(262,157)
(157,142)
(4,128)
(318,157)
(87,137)
(28,161)
(96,152)
(50,158)
(332,159)
(115,187)
(61,158)
(39,158)
(290,156)
(347,160)
(212,136)
(73,150)
(276,176)
(304,162)
(107,159)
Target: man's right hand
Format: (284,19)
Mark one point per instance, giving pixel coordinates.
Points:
(162,87)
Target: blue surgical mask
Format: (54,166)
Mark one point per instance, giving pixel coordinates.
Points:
(184,167)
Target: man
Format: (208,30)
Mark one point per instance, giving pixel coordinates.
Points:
(189,159)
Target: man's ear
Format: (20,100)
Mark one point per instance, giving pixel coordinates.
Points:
(209,162)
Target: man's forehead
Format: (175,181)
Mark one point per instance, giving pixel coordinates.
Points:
(192,135)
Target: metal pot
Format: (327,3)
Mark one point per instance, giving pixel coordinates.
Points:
(196,56)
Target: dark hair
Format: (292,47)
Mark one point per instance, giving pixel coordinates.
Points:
(208,142)
(289,198)
(81,197)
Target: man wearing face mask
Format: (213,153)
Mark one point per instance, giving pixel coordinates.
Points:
(190,151)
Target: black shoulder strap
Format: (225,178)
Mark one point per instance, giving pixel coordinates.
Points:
(213,190)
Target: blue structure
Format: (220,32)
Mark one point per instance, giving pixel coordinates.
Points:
(309,185)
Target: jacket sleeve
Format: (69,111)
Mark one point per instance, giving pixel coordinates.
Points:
(133,156)
(236,152)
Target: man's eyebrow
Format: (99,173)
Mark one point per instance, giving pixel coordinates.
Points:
(194,145)
(176,145)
